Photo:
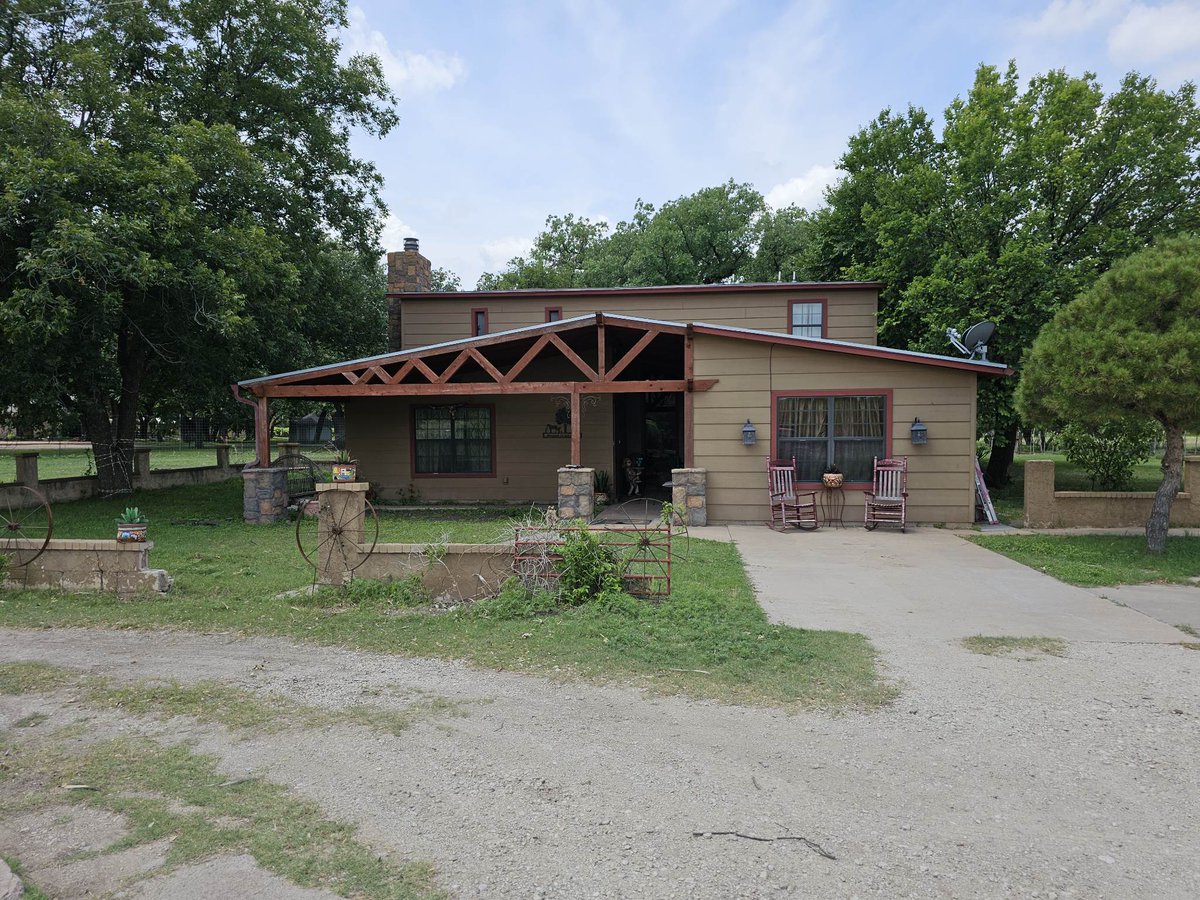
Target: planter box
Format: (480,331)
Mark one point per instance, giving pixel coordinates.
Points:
(132,532)
(345,472)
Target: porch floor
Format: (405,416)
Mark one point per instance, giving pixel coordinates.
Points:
(638,511)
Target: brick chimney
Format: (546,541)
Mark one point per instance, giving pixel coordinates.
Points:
(408,271)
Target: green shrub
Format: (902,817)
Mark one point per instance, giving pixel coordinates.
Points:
(1109,452)
(588,569)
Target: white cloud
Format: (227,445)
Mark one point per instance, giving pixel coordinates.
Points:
(405,71)
(1156,33)
(806,190)
(496,253)
(1071,17)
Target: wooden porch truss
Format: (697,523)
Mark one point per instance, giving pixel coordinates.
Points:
(431,371)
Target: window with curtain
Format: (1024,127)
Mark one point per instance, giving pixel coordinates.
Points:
(452,440)
(844,431)
(808,319)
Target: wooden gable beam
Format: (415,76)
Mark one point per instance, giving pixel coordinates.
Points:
(454,366)
(400,373)
(633,354)
(474,388)
(421,366)
(486,365)
(574,357)
(350,377)
(526,358)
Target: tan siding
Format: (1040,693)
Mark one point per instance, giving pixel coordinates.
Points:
(378,433)
(851,313)
(941,482)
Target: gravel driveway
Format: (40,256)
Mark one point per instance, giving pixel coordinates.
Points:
(990,776)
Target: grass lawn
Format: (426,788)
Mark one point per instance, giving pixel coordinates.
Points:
(709,639)
(1096,560)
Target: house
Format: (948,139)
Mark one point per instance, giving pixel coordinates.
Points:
(485,394)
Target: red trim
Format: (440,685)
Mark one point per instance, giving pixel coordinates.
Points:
(554,309)
(846,392)
(824,314)
(856,350)
(412,442)
(770,288)
(475,311)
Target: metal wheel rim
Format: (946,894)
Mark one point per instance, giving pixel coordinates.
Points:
(31,520)
(337,535)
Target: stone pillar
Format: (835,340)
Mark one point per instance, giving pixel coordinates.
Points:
(1039,494)
(264,495)
(576,493)
(689,495)
(141,464)
(342,513)
(222,456)
(27,469)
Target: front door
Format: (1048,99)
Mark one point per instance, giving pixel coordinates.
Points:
(648,443)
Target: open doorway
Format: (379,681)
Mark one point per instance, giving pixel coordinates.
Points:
(648,432)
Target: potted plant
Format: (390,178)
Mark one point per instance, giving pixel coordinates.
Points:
(131,526)
(345,468)
(833,477)
(602,484)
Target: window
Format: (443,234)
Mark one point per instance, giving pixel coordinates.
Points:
(858,435)
(553,313)
(479,322)
(808,318)
(452,440)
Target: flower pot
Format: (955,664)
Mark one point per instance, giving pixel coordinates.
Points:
(345,471)
(833,479)
(131,532)
(601,497)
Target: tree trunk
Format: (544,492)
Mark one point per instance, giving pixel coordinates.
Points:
(1004,448)
(112,435)
(1160,512)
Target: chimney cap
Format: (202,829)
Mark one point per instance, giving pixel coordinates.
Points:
(412,245)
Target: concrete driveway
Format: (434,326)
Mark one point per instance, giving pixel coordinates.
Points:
(925,584)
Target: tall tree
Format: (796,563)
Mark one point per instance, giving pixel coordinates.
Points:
(1129,347)
(1025,198)
(177,194)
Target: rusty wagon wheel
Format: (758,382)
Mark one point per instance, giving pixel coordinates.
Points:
(337,542)
(26,525)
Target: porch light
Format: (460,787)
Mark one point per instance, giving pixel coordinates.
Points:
(749,434)
(920,434)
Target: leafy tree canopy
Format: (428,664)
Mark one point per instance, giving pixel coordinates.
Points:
(1021,202)
(1128,347)
(178,200)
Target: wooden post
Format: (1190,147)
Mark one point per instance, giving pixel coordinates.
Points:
(689,401)
(601,351)
(576,425)
(262,433)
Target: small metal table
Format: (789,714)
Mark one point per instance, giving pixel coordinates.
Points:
(833,506)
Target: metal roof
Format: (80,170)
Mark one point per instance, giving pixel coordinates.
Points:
(755,286)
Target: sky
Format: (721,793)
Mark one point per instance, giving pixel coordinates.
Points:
(514,111)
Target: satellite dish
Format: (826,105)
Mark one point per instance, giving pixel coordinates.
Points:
(975,340)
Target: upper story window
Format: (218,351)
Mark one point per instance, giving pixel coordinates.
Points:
(479,322)
(553,313)
(807,318)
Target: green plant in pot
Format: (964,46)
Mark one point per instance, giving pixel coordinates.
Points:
(131,526)
(833,477)
(345,467)
(602,485)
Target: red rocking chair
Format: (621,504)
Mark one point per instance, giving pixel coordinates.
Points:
(887,500)
(788,508)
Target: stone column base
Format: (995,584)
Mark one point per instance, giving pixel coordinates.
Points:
(576,493)
(264,495)
(689,496)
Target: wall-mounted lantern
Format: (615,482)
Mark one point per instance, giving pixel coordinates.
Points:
(749,434)
(920,434)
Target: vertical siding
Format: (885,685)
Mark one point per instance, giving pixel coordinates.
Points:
(851,313)
(378,433)
(941,483)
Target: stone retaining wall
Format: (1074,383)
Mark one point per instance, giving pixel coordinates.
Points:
(576,493)
(1047,508)
(72,565)
(689,495)
(65,490)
